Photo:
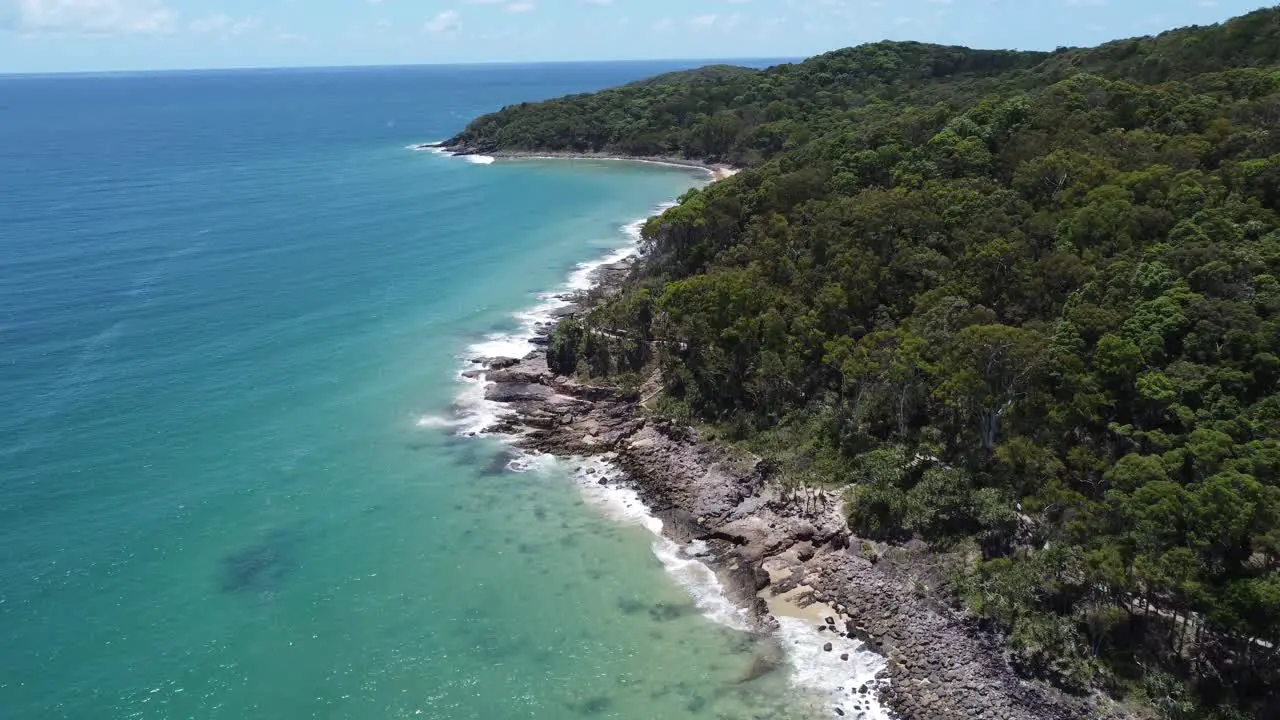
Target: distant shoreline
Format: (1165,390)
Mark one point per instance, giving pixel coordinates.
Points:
(717,171)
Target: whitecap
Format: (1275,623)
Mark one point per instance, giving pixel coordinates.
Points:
(515,345)
(475,413)
(435,421)
(479,159)
(623,504)
(823,672)
(530,462)
(478,413)
(701,583)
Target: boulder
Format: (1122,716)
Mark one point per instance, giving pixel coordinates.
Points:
(516,375)
(517,392)
(497,363)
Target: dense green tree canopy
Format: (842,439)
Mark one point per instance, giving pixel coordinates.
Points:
(1030,300)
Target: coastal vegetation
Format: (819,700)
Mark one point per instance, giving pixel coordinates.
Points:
(1022,306)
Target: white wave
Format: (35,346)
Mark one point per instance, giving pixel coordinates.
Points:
(475,413)
(824,673)
(479,159)
(435,421)
(515,345)
(531,462)
(813,670)
(583,276)
(619,503)
(701,582)
(634,228)
(624,505)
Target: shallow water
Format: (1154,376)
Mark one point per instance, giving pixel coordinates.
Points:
(231,305)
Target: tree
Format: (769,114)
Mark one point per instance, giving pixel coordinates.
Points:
(985,370)
(1027,300)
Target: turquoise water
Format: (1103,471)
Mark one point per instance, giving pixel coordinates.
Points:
(227,303)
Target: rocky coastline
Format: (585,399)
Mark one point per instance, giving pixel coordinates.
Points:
(767,541)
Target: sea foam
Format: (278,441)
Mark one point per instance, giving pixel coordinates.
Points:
(812,669)
(475,413)
(601,485)
(824,673)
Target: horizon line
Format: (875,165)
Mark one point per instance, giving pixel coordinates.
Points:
(376,66)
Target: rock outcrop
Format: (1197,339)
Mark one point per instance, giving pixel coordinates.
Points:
(940,664)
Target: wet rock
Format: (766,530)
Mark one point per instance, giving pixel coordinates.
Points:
(517,392)
(497,363)
(517,375)
(805,551)
(941,666)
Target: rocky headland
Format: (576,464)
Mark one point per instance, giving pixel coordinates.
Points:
(768,541)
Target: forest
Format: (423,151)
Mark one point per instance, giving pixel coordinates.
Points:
(1022,306)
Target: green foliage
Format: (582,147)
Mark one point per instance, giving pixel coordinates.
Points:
(1026,298)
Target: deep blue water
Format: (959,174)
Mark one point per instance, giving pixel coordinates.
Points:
(232,309)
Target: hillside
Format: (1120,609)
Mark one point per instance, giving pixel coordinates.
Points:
(1024,306)
(743,116)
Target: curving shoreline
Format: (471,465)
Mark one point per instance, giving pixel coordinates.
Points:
(718,171)
(776,556)
(784,559)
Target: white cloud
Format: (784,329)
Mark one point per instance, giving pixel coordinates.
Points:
(95,17)
(663,24)
(1086,3)
(219,24)
(515,6)
(704,20)
(447,21)
(599,3)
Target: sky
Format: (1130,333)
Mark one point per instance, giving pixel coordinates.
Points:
(92,35)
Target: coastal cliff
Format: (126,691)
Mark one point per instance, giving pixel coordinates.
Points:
(767,543)
(1008,321)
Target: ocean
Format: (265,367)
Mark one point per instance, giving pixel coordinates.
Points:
(235,474)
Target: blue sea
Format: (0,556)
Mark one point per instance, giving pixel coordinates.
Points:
(234,475)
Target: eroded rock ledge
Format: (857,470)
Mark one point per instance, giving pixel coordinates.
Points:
(940,664)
